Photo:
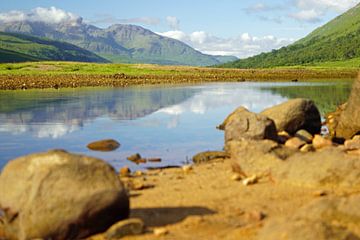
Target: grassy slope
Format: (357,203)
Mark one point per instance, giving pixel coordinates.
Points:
(334,44)
(20,48)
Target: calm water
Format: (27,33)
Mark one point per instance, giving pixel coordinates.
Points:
(172,123)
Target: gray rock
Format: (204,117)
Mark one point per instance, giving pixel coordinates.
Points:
(294,115)
(133,226)
(242,124)
(58,195)
(328,218)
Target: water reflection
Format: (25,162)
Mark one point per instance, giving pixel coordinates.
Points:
(171,123)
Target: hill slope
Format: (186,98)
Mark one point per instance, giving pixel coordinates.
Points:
(337,40)
(119,43)
(16,47)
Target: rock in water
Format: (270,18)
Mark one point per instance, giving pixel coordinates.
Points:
(349,121)
(58,195)
(242,124)
(294,115)
(104,145)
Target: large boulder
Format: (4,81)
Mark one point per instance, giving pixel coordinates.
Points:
(349,121)
(58,195)
(294,115)
(331,218)
(242,124)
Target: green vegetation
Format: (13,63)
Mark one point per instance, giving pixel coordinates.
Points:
(20,48)
(326,97)
(56,68)
(335,44)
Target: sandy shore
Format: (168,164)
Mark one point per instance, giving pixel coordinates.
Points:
(205,203)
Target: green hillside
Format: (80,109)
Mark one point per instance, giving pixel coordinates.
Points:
(20,48)
(336,41)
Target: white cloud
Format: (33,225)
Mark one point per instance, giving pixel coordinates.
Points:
(308,15)
(242,46)
(173,22)
(314,10)
(50,15)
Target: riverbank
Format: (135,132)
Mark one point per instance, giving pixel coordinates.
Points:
(72,75)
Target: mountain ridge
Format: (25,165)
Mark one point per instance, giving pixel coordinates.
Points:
(337,40)
(119,42)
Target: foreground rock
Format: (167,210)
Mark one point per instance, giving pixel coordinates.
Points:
(294,115)
(325,219)
(348,124)
(242,124)
(104,145)
(58,195)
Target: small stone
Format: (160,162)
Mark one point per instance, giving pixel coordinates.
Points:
(250,180)
(353,144)
(356,137)
(320,193)
(204,157)
(139,173)
(154,159)
(104,145)
(125,171)
(134,157)
(304,135)
(307,148)
(295,143)
(187,168)
(255,216)
(283,136)
(320,142)
(236,177)
(161,231)
(133,226)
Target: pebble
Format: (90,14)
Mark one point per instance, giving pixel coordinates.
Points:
(236,177)
(320,142)
(307,148)
(320,193)
(250,180)
(255,216)
(161,231)
(132,226)
(106,145)
(134,158)
(154,159)
(295,143)
(304,135)
(352,144)
(187,168)
(125,171)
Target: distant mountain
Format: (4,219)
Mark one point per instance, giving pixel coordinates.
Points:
(16,47)
(335,41)
(119,43)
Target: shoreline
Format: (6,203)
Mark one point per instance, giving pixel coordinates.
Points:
(45,75)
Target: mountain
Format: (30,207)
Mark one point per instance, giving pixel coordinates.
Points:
(16,47)
(119,43)
(338,40)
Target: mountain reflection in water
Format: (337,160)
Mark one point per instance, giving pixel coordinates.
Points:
(173,123)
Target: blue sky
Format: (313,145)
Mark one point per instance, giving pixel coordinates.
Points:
(231,27)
